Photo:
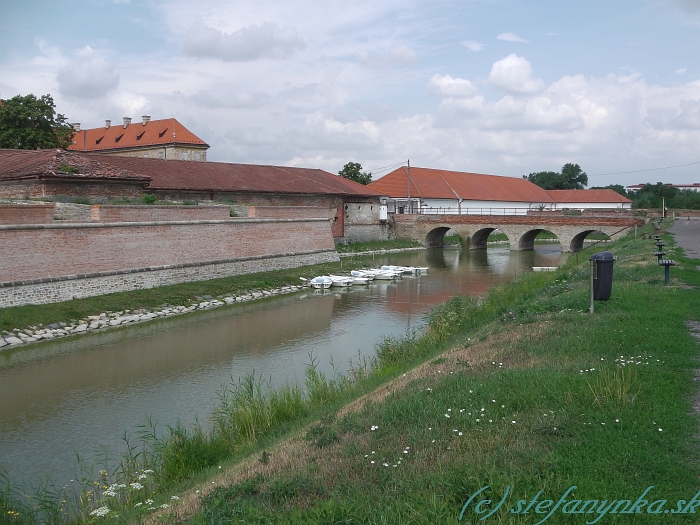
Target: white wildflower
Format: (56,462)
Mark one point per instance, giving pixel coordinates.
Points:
(102,511)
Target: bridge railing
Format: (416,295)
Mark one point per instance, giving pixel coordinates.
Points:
(427,210)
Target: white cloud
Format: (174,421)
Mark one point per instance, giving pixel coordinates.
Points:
(473,45)
(514,74)
(447,86)
(87,76)
(249,43)
(681,71)
(511,37)
(228,96)
(394,56)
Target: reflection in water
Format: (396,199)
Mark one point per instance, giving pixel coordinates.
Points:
(81,395)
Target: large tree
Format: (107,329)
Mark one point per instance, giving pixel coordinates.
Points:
(353,171)
(32,123)
(572,177)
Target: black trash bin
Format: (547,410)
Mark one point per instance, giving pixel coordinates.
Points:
(603,275)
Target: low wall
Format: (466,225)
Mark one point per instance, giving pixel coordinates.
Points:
(290,212)
(148,213)
(26,214)
(368,232)
(42,263)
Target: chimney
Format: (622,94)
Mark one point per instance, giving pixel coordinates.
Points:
(127,121)
(108,123)
(76,126)
(146,119)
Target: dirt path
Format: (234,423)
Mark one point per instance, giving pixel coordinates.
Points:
(686,232)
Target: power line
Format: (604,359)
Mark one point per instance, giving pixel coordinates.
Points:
(641,171)
(374,170)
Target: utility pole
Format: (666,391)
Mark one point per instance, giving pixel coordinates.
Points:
(408,193)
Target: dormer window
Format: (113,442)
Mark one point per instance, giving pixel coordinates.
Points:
(161,133)
(99,140)
(119,137)
(138,137)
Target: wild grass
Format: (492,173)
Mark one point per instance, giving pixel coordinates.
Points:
(367,246)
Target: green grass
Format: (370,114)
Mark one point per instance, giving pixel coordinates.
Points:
(561,408)
(394,244)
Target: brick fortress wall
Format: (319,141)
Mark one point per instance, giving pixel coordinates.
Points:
(42,263)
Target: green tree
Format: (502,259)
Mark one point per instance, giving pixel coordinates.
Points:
(32,123)
(619,188)
(572,177)
(353,171)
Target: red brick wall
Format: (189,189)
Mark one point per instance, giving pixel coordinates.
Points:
(253,199)
(292,212)
(57,252)
(147,213)
(95,190)
(26,214)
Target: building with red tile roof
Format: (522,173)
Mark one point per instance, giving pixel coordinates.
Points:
(585,199)
(160,139)
(356,207)
(453,192)
(694,186)
(52,172)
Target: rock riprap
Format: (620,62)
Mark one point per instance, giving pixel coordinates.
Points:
(108,320)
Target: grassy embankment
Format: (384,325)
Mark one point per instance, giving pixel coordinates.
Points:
(533,394)
(542,398)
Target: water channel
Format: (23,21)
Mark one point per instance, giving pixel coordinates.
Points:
(82,395)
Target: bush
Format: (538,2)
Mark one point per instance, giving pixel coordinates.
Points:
(149,198)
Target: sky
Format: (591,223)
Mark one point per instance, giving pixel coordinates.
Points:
(504,87)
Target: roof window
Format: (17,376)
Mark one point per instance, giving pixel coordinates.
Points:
(99,140)
(161,133)
(138,137)
(119,137)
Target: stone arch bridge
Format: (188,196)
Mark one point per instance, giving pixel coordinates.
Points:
(521,230)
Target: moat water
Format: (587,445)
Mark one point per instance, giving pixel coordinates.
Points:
(80,397)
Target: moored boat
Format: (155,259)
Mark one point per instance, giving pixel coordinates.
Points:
(321,281)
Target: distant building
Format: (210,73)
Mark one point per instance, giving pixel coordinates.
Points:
(695,186)
(432,191)
(157,139)
(588,199)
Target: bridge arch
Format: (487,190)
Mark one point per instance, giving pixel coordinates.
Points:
(480,238)
(436,235)
(527,240)
(434,238)
(578,240)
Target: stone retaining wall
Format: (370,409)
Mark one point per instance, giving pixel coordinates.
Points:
(43,291)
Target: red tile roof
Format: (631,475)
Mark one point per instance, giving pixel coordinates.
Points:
(600,195)
(152,133)
(221,177)
(47,163)
(429,183)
